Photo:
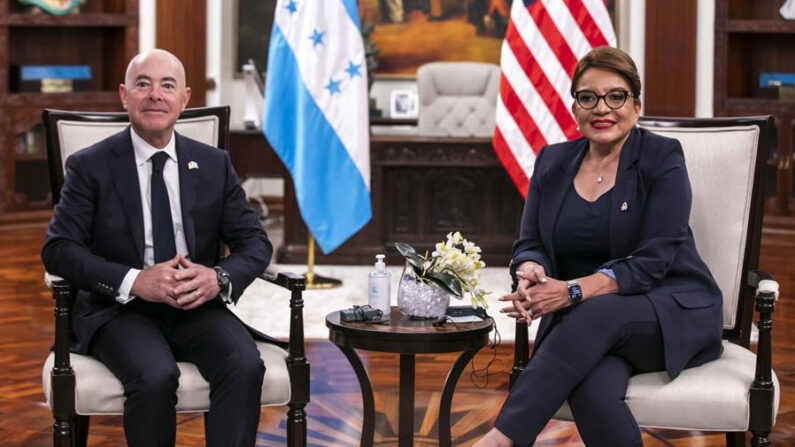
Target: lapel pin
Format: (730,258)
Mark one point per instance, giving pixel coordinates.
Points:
(194,165)
(624,206)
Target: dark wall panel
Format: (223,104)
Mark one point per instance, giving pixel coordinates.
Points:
(670,79)
(182,30)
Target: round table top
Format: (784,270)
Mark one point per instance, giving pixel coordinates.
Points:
(405,335)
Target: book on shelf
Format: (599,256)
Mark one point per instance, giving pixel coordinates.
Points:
(777,79)
(50,78)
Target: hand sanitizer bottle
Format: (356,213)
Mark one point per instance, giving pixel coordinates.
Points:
(378,287)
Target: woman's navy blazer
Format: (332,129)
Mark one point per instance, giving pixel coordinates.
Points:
(652,251)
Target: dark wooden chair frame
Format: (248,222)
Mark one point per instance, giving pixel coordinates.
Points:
(70,428)
(762,390)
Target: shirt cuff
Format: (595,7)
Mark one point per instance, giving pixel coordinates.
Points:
(124,296)
(608,272)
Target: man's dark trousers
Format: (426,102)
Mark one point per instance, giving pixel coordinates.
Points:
(147,368)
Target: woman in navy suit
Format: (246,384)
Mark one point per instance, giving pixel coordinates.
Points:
(607,261)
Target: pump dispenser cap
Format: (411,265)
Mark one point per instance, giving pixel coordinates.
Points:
(379,263)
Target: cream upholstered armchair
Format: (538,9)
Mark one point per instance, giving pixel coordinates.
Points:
(738,391)
(457,99)
(78,386)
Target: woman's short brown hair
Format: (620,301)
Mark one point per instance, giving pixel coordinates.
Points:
(613,59)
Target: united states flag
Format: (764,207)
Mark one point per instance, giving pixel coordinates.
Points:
(544,41)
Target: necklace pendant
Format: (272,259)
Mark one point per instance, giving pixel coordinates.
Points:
(599,179)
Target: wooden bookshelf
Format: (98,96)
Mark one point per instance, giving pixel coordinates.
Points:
(752,38)
(103,36)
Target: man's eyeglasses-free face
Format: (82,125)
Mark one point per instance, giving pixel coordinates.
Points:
(614,99)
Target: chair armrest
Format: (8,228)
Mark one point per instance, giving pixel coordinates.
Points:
(762,393)
(288,280)
(62,374)
(768,287)
(50,279)
(296,359)
(755,277)
(521,345)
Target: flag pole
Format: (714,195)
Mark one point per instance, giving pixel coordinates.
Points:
(316,282)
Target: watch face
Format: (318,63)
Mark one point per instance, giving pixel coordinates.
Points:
(223,279)
(575,293)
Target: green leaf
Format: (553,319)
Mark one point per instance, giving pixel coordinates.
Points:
(405,249)
(414,259)
(416,265)
(447,282)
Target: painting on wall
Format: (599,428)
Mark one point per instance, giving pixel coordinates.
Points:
(409,33)
(254,23)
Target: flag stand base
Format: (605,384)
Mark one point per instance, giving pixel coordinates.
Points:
(318,282)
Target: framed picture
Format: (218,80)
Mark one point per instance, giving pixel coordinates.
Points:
(403,104)
(410,33)
(254,23)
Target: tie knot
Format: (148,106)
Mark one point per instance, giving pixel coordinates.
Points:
(158,161)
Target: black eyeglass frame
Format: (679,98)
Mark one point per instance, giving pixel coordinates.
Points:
(627,95)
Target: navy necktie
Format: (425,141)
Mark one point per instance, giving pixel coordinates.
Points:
(162,226)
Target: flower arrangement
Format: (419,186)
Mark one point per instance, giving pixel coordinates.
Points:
(454,266)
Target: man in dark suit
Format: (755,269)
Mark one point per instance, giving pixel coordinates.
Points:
(137,229)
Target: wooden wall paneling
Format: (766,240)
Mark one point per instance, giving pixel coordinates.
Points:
(756,9)
(670,75)
(182,30)
(3,60)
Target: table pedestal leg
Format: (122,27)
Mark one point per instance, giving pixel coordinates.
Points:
(368,403)
(406,401)
(447,396)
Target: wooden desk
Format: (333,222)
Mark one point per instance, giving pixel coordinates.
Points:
(421,189)
(252,156)
(407,337)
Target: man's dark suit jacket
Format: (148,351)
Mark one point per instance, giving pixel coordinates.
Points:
(652,249)
(97,230)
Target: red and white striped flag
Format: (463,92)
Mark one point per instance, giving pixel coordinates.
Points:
(544,41)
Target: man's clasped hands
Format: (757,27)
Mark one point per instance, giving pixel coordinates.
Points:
(177,282)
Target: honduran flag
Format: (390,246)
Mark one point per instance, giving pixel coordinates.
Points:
(315,115)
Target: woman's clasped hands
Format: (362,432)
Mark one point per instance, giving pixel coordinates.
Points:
(536,294)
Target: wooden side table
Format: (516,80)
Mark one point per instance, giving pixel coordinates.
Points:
(407,337)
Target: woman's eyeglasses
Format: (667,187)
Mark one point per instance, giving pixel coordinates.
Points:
(614,99)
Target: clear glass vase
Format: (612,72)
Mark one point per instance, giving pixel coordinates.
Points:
(418,299)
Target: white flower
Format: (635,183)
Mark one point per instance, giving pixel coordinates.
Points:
(454,238)
(460,258)
(470,248)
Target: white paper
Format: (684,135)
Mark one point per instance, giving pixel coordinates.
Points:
(466,319)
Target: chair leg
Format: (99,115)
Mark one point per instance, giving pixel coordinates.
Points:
(735,439)
(81,430)
(63,432)
(760,438)
(296,425)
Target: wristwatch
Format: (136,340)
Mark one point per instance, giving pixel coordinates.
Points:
(575,292)
(223,280)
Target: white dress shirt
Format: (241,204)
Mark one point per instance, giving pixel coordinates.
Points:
(143,152)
